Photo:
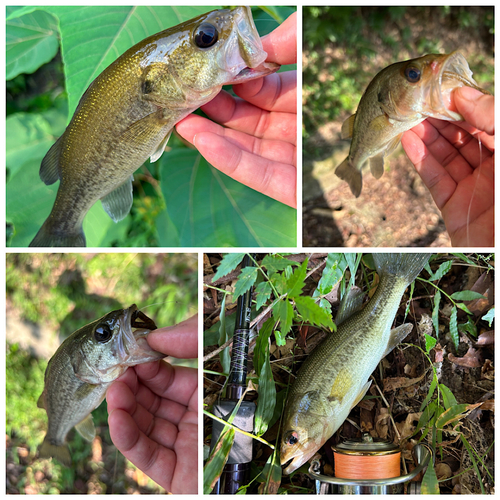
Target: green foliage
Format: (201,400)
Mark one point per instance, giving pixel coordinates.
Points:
(32,40)
(267,387)
(24,376)
(465,295)
(179,201)
(217,459)
(48,287)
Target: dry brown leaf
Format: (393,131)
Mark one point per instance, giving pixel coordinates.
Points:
(443,471)
(407,427)
(488,405)
(486,338)
(393,383)
(382,422)
(483,286)
(470,360)
(487,371)
(439,353)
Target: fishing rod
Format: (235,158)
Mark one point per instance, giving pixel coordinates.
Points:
(237,469)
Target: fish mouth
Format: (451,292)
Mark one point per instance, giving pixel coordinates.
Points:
(294,463)
(133,345)
(453,72)
(243,56)
(263,69)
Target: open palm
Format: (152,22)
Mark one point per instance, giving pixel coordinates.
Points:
(153,415)
(459,172)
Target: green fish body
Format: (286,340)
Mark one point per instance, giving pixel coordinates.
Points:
(128,112)
(334,377)
(82,369)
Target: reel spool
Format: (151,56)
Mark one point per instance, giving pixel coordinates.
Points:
(365,466)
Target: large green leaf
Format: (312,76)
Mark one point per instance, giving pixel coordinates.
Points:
(210,209)
(31,41)
(28,137)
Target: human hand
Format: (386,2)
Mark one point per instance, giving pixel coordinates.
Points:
(457,171)
(153,411)
(257,143)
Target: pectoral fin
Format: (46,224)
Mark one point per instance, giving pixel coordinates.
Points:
(86,428)
(117,204)
(393,144)
(397,335)
(361,394)
(348,127)
(161,148)
(381,122)
(84,390)
(342,385)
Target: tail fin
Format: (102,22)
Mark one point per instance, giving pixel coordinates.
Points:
(403,265)
(61,452)
(349,173)
(47,238)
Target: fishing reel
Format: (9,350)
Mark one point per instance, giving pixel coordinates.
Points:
(366,466)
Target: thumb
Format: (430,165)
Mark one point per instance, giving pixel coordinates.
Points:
(476,108)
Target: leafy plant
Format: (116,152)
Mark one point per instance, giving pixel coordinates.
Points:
(279,290)
(180,200)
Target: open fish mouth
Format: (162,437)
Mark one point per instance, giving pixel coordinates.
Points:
(131,343)
(257,72)
(294,463)
(452,72)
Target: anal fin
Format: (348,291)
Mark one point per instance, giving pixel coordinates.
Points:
(397,335)
(86,428)
(347,172)
(117,204)
(361,394)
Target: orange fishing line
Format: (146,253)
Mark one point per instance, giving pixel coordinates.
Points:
(352,466)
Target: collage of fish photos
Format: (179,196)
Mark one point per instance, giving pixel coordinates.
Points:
(250,250)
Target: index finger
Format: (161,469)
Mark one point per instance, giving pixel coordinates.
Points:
(179,341)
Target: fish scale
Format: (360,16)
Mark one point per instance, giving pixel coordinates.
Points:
(328,384)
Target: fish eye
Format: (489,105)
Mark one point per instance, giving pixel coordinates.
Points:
(103,333)
(292,438)
(206,35)
(412,74)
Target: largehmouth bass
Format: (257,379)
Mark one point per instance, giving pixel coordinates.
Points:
(82,369)
(128,112)
(398,98)
(334,377)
